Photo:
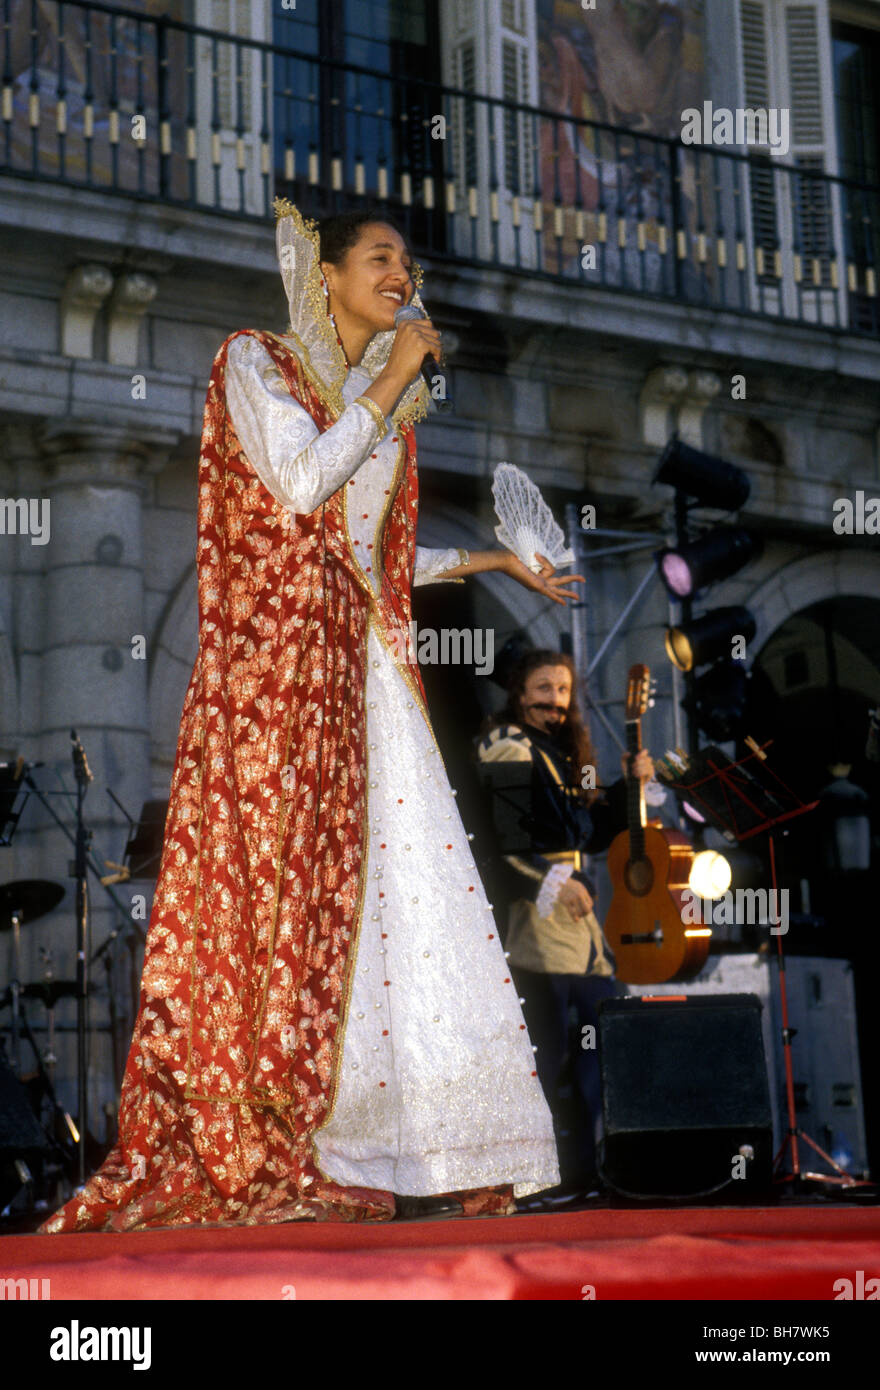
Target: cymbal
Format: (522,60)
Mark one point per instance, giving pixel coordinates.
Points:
(28,898)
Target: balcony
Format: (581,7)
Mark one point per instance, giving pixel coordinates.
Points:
(154,109)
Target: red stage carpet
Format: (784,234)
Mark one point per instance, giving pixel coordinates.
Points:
(792,1252)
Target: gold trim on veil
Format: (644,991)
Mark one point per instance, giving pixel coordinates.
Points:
(314,336)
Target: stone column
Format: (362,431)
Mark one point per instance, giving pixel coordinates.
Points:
(21,612)
(20,578)
(93,677)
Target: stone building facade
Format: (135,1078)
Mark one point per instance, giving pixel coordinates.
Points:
(113,308)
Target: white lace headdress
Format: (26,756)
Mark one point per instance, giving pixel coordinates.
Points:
(311,328)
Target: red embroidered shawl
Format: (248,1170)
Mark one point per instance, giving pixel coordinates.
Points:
(237,1045)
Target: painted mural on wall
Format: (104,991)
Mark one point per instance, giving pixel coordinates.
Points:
(630,64)
(61,53)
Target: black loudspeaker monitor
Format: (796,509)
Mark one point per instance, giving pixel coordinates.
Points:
(685,1095)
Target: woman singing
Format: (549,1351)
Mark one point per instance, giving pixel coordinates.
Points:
(327,1020)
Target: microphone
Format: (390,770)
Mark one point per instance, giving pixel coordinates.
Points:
(81,769)
(430,369)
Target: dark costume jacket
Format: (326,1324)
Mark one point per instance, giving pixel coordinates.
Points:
(541,832)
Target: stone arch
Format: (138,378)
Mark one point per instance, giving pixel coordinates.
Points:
(808,580)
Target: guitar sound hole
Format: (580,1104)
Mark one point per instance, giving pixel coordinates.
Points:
(639,877)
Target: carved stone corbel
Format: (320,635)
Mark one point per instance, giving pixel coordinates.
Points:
(86,288)
(703,387)
(663,389)
(131,296)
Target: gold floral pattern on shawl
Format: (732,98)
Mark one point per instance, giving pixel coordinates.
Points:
(237,1046)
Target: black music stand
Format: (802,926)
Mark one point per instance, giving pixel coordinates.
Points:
(743,799)
(507,790)
(144,850)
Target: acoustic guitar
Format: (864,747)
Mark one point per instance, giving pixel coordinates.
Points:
(649,868)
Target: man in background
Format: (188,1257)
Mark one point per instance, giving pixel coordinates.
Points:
(537,755)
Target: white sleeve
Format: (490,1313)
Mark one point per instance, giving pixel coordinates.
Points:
(655,794)
(555,877)
(430,565)
(300,466)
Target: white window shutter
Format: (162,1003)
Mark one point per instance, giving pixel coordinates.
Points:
(518,173)
(490,48)
(462,64)
(757,89)
(808,83)
(239,103)
(465,122)
(758,92)
(785,57)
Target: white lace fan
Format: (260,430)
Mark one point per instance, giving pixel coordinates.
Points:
(527,524)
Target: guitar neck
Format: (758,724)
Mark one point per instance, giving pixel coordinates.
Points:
(635,795)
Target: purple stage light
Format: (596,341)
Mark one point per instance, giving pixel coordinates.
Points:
(676,574)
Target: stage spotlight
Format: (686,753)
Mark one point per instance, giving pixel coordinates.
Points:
(712,481)
(708,637)
(710,874)
(716,555)
(721,695)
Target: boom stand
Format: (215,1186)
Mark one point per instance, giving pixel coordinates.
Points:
(745,799)
(79,869)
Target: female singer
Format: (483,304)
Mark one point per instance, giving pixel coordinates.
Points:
(327,1020)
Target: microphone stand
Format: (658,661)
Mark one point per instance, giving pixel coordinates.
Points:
(83,776)
(78,868)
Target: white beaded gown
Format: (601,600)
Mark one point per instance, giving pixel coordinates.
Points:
(438,1089)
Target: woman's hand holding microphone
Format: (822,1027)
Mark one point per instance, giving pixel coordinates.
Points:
(414,340)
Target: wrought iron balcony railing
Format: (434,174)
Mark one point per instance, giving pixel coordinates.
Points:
(107,99)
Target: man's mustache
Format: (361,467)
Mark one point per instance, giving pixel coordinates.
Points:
(550,709)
